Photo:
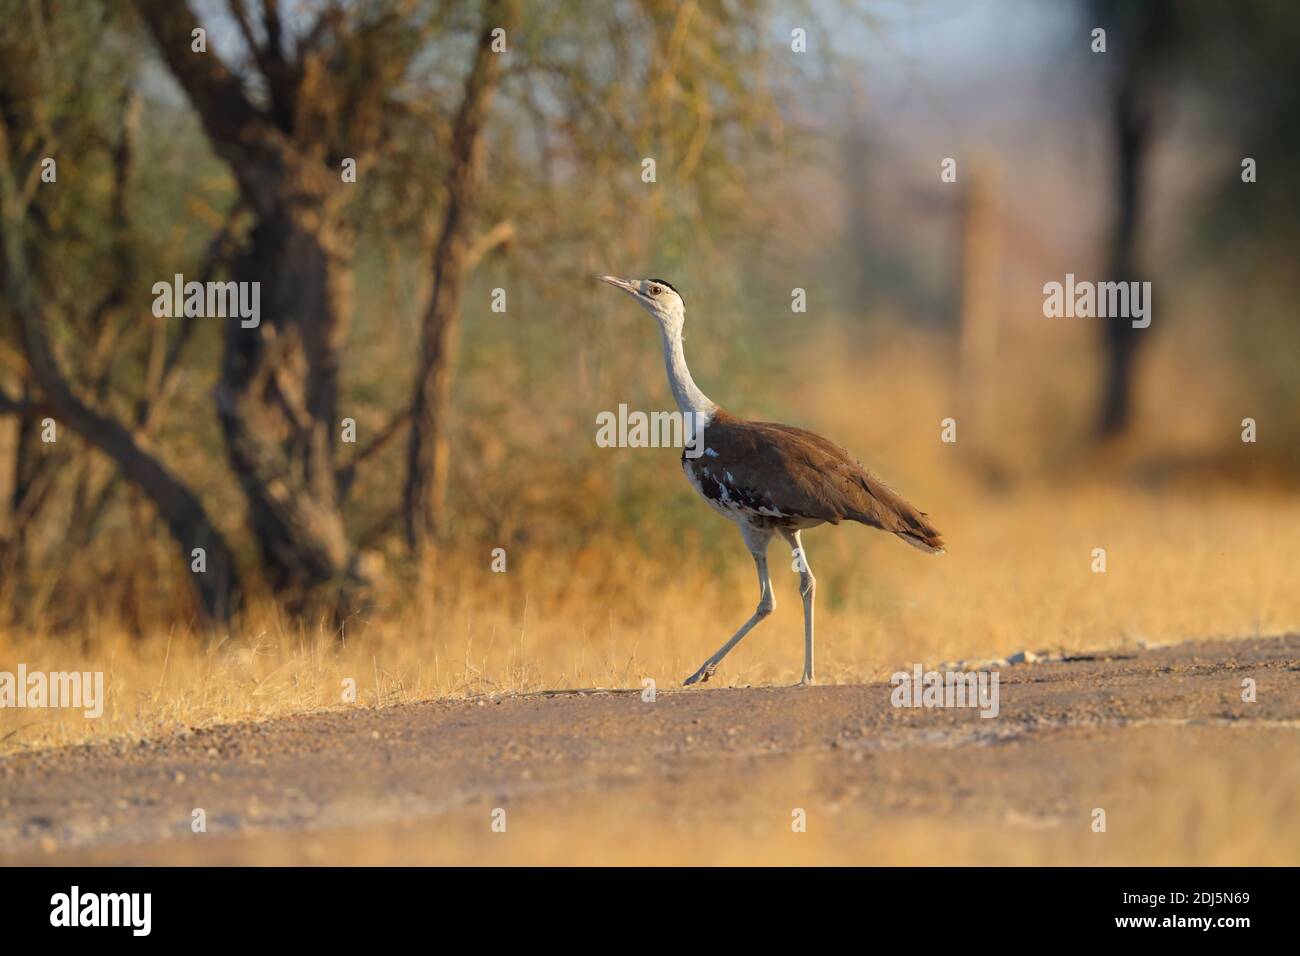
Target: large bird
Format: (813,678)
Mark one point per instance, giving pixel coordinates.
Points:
(769,479)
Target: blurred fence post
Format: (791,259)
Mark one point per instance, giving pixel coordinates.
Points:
(981,267)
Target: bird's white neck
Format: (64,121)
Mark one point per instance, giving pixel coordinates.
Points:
(686,393)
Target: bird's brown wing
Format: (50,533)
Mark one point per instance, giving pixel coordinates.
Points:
(800,474)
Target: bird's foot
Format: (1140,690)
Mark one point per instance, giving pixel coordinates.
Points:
(701,676)
(807,681)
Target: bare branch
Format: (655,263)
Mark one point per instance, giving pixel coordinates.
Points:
(502,234)
(217,94)
(348,473)
(12,406)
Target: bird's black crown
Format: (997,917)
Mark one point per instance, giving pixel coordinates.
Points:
(671,286)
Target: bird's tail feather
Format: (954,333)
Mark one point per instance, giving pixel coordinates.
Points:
(891,512)
(931,545)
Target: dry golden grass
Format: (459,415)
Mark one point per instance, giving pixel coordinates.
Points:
(1188,555)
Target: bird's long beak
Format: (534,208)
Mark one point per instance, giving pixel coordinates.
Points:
(624,284)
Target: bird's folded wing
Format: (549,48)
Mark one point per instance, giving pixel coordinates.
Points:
(800,474)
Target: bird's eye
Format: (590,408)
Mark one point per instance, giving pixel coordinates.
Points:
(655,290)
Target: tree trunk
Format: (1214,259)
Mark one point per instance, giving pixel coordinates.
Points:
(277,399)
(30,482)
(190,526)
(1131,125)
(424,494)
(1120,338)
(278,395)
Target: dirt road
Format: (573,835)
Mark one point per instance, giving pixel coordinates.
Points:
(1160,741)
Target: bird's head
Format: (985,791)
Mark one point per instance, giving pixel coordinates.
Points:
(657,297)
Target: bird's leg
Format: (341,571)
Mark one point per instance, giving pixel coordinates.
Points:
(757,541)
(807,589)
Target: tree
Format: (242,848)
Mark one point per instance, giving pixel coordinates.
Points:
(693,87)
(424,492)
(1142,38)
(40,111)
(278,397)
